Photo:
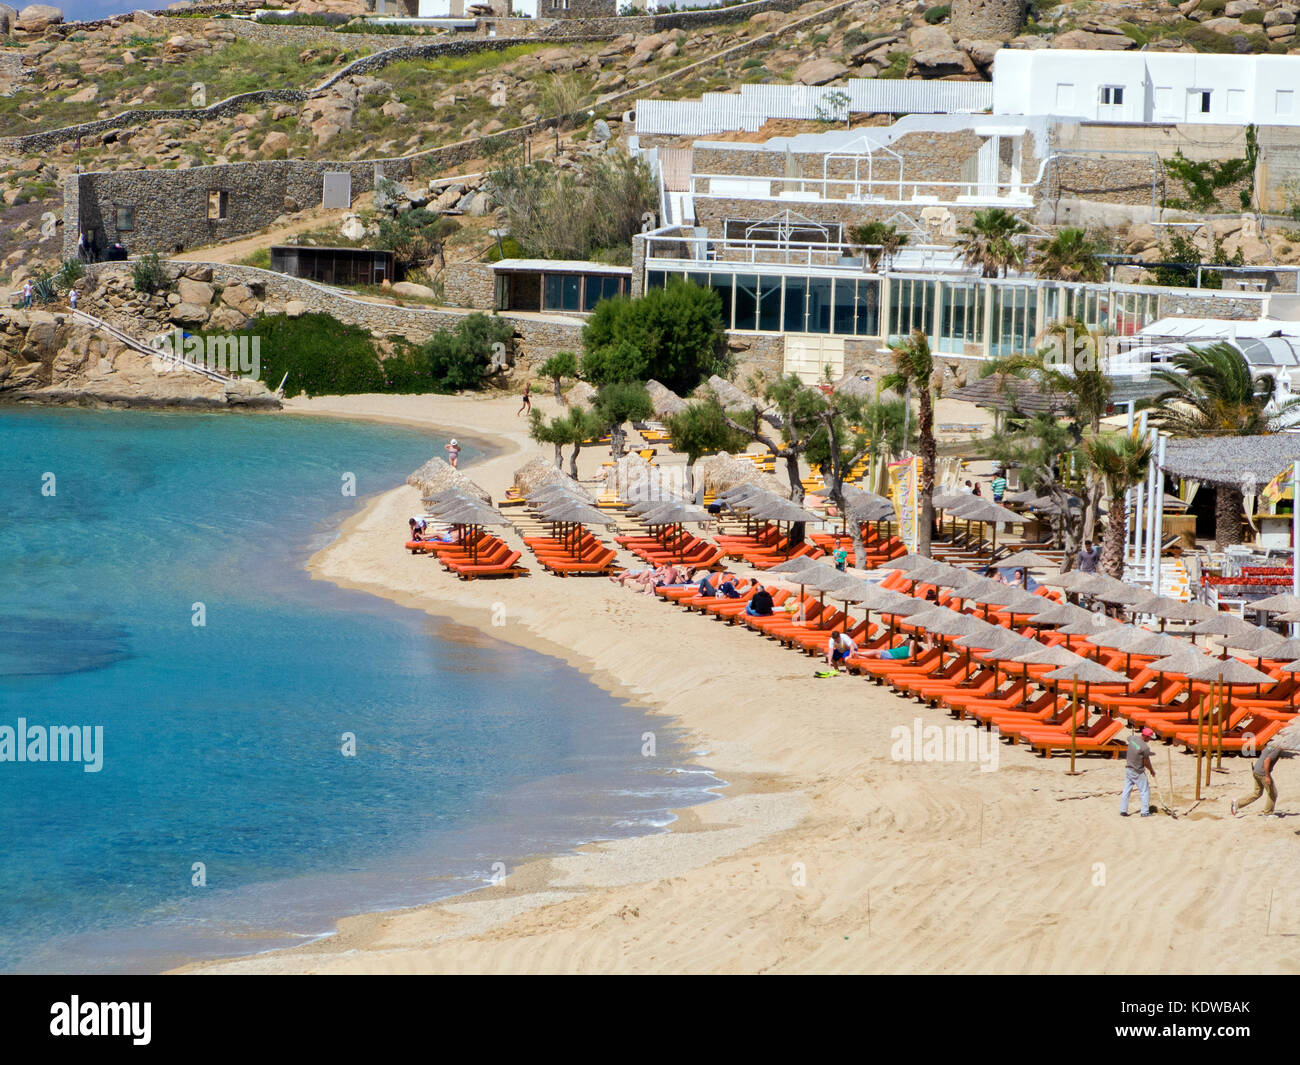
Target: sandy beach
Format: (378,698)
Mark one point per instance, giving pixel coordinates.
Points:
(824,853)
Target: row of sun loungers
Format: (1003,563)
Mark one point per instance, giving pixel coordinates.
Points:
(1013,697)
(477,555)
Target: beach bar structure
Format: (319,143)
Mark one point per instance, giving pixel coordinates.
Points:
(335,266)
(557,284)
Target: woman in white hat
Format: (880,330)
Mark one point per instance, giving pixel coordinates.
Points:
(453,453)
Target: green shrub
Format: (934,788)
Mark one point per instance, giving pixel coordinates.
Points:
(72,271)
(1212,7)
(149,275)
(459,358)
(897,68)
(321,355)
(260,258)
(935,15)
(1252,18)
(673,334)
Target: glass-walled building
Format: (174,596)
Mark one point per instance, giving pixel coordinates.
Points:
(962,315)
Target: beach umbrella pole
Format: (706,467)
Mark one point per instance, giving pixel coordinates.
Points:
(1200,745)
(1074,725)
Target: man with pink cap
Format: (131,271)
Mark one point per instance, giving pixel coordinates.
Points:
(1137,764)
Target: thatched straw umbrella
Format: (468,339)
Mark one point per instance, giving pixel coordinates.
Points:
(719,473)
(437,476)
(665,401)
(536,472)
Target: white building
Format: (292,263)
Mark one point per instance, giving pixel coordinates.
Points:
(1104,86)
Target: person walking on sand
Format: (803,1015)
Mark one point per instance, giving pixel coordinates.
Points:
(1137,763)
(453,453)
(1262,771)
(528,402)
(999,486)
(27,294)
(72,298)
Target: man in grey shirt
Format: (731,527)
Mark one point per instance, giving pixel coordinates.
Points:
(1137,763)
(1262,772)
(1089,556)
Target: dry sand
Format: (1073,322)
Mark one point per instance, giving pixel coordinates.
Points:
(824,854)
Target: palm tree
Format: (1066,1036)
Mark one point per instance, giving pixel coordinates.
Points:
(914,366)
(1212,391)
(886,238)
(988,242)
(1069,364)
(1071,255)
(1121,461)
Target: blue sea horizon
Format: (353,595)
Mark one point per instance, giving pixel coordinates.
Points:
(227,817)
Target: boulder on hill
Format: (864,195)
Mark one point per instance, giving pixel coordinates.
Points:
(37,18)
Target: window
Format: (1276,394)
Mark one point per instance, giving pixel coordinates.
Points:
(1198,101)
(597,289)
(819,305)
(1064,97)
(746,301)
(1283,101)
(125,219)
(769,304)
(1112,95)
(217,202)
(561,293)
(1236,102)
(796,294)
(721,284)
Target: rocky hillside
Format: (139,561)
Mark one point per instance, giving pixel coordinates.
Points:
(53,75)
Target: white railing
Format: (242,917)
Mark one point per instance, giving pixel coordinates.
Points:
(174,360)
(786,252)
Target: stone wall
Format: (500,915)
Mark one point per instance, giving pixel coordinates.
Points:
(763,355)
(578,9)
(1200,303)
(1277,172)
(536,339)
(1119,179)
(943,218)
(987,20)
(469,285)
(171,206)
(926,157)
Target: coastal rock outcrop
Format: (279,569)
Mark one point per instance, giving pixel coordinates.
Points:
(49,357)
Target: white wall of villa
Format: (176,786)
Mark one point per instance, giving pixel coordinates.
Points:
(1151,87)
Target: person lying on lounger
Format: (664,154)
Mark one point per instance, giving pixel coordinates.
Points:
(906,649)
(760,603)
(638,578)
(724,584)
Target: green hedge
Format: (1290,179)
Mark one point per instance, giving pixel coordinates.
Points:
(322,356)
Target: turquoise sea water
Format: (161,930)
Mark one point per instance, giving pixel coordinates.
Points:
(222,741)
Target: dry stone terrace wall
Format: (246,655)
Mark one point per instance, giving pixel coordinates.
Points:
(938,156)
(1190,303)
(537,338)
(469,285)
(1118,179)
(713,213)
(171,207)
